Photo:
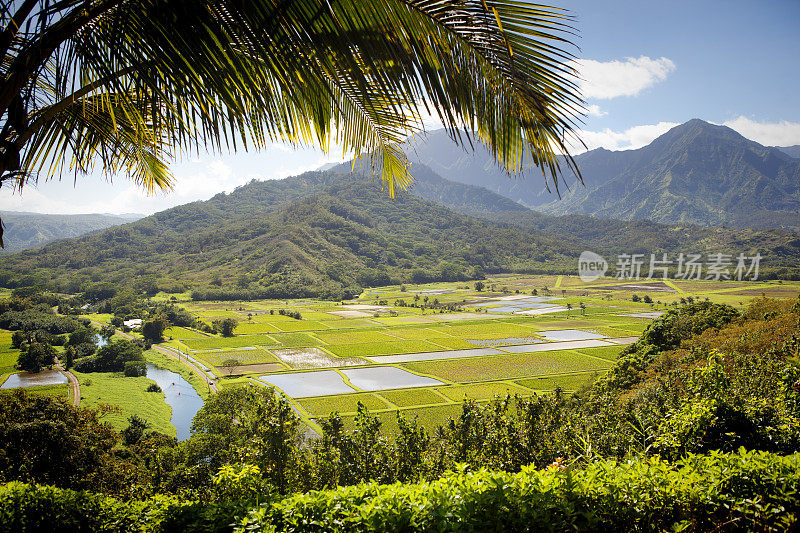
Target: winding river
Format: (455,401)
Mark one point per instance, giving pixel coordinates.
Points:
(180,395)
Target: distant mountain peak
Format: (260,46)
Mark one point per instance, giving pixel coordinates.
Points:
(697,172)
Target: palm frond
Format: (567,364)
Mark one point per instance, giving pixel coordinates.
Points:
(168,76)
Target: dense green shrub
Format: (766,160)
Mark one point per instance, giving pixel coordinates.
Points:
(83,335)
(743,491)
(86,364)
(135,369)
(226,326)
(153,330)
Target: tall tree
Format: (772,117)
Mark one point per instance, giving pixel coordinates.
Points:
(127,83)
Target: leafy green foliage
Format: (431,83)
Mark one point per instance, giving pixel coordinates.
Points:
(743,491)
(132,434)
(153,330)
(36,356)
(22,316)
(51,442)
(111,358)
(135,369)
(82,335)
(247,424)
(226,326)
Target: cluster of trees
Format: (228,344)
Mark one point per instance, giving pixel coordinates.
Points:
(288,312)
(425,303)
(116,356)
(24,315)
(37,329)
(701,378)
(225,327)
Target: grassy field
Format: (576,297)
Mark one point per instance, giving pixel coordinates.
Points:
(334,340)
(8,355)
(122,397)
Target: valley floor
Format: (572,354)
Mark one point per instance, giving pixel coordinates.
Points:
(387,353)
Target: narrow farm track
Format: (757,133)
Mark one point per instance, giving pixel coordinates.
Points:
(212,386)
(74,385)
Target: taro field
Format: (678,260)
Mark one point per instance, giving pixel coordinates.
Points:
(421,350)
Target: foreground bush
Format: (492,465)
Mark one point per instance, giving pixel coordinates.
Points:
(745,491)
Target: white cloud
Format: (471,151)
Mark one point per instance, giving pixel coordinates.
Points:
(783,133)
(629,139)
(595,111)
(195,179)
(611,79)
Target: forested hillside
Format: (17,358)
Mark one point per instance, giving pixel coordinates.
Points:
(328,234)
(32,230)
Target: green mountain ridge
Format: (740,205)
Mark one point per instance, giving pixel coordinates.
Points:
(330,234)
(24,230)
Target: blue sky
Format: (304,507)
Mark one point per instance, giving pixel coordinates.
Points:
(647,66)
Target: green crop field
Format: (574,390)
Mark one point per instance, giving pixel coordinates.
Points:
(8,359)
(241,341)
(451,343)
(484,391)
(295,340)
(245,356)
(300,325)
(249,328)
(367,349)
(424,333)
(607,352)
(492,330)
(180,333)
(508,366)
(8,355)
(568,382)
(412,397)
(345,403)
(428,417)
(354,337)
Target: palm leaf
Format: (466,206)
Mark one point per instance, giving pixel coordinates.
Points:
(132,82)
